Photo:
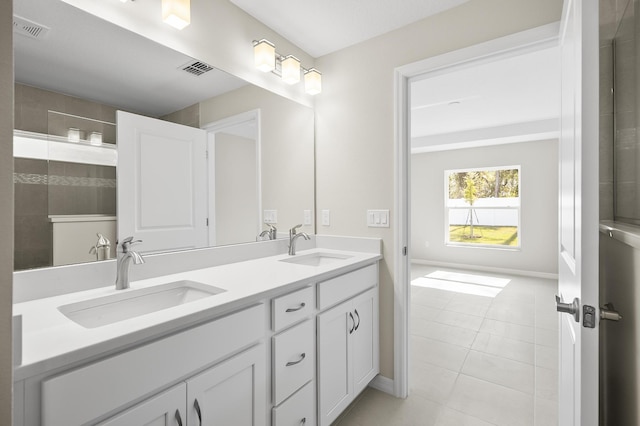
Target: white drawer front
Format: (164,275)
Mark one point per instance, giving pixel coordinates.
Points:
(292,308)
(335,290)
(293,360)
(299,410)
(120,379)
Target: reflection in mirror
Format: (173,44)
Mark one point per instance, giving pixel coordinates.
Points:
(77,72)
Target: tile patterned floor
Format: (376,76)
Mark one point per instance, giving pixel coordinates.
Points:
(477,358)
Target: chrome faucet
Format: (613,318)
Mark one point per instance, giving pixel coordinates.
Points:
(271,232)
(127,255)
(293,236)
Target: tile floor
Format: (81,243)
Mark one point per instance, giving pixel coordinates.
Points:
(484,351)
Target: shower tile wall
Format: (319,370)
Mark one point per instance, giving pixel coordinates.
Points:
(43,188)
(611,15)
(33,234)
(81,189)
(606,131)
(32,106)
(626,144)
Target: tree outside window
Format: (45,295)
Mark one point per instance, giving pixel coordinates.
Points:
(483,206)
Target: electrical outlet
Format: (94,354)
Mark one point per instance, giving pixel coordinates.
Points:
(307,217)
(326,218)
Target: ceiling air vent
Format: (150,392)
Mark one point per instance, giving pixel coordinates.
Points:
(196,68)
(28,28)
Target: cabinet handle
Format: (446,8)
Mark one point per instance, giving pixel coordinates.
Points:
(353,321)
(178,418)
(302,357)
(358,315)
(302,305)
(196,405)
(303,421)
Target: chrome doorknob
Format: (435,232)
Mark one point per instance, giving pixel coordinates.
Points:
(569,308)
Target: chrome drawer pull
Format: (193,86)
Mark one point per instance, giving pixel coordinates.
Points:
(303,421)
(302,305)
(302,357)
(353,321)
(358,315)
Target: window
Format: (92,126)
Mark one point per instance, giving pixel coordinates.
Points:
(483,207)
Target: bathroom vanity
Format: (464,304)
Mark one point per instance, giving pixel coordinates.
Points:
(278,340)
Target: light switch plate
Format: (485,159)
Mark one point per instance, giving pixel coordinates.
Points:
(270,216)
(326,218)
(378,218)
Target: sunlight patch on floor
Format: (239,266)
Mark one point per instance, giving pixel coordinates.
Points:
(479,285)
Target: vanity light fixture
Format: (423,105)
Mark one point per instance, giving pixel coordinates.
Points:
(95,138)
(266,59)
(291,70)
(176,13)
(73,134)
(264,53)
(312,81)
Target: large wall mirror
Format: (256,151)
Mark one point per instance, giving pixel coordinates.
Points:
(74,71)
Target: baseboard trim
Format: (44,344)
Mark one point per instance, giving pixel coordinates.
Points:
(505,271)
(383,384)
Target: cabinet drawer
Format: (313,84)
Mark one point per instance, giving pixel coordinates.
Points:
(335,290)
(291,308)
(293,360)
(130,375)
(298,410)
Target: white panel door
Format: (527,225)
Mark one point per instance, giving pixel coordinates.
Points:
(162,183)
(578,259)
(335,386)
(365,340)
(233,392)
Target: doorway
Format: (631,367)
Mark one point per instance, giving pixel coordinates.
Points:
(508,47)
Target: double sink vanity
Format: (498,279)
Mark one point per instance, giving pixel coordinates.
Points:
(276,340)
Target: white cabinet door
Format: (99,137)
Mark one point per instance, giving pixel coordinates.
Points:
(364,338)
(334,386)
(231,393)
(348,353)
(165,409)
(162,183)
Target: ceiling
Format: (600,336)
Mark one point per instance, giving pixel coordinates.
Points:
(84,56)
(518,94)
(77,57)
(320,27)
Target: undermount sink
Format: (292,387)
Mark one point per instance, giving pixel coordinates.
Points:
(315,259)
(130,304)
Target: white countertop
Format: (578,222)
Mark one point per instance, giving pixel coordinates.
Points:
(50,340)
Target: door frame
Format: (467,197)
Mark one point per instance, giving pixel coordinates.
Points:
(218,126)
(500,48)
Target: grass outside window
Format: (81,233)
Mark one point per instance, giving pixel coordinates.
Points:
(489,235)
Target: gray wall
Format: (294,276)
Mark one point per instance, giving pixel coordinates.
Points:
(620,341)
(6,208)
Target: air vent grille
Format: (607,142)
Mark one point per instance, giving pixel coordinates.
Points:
(29,28)
(196,68)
